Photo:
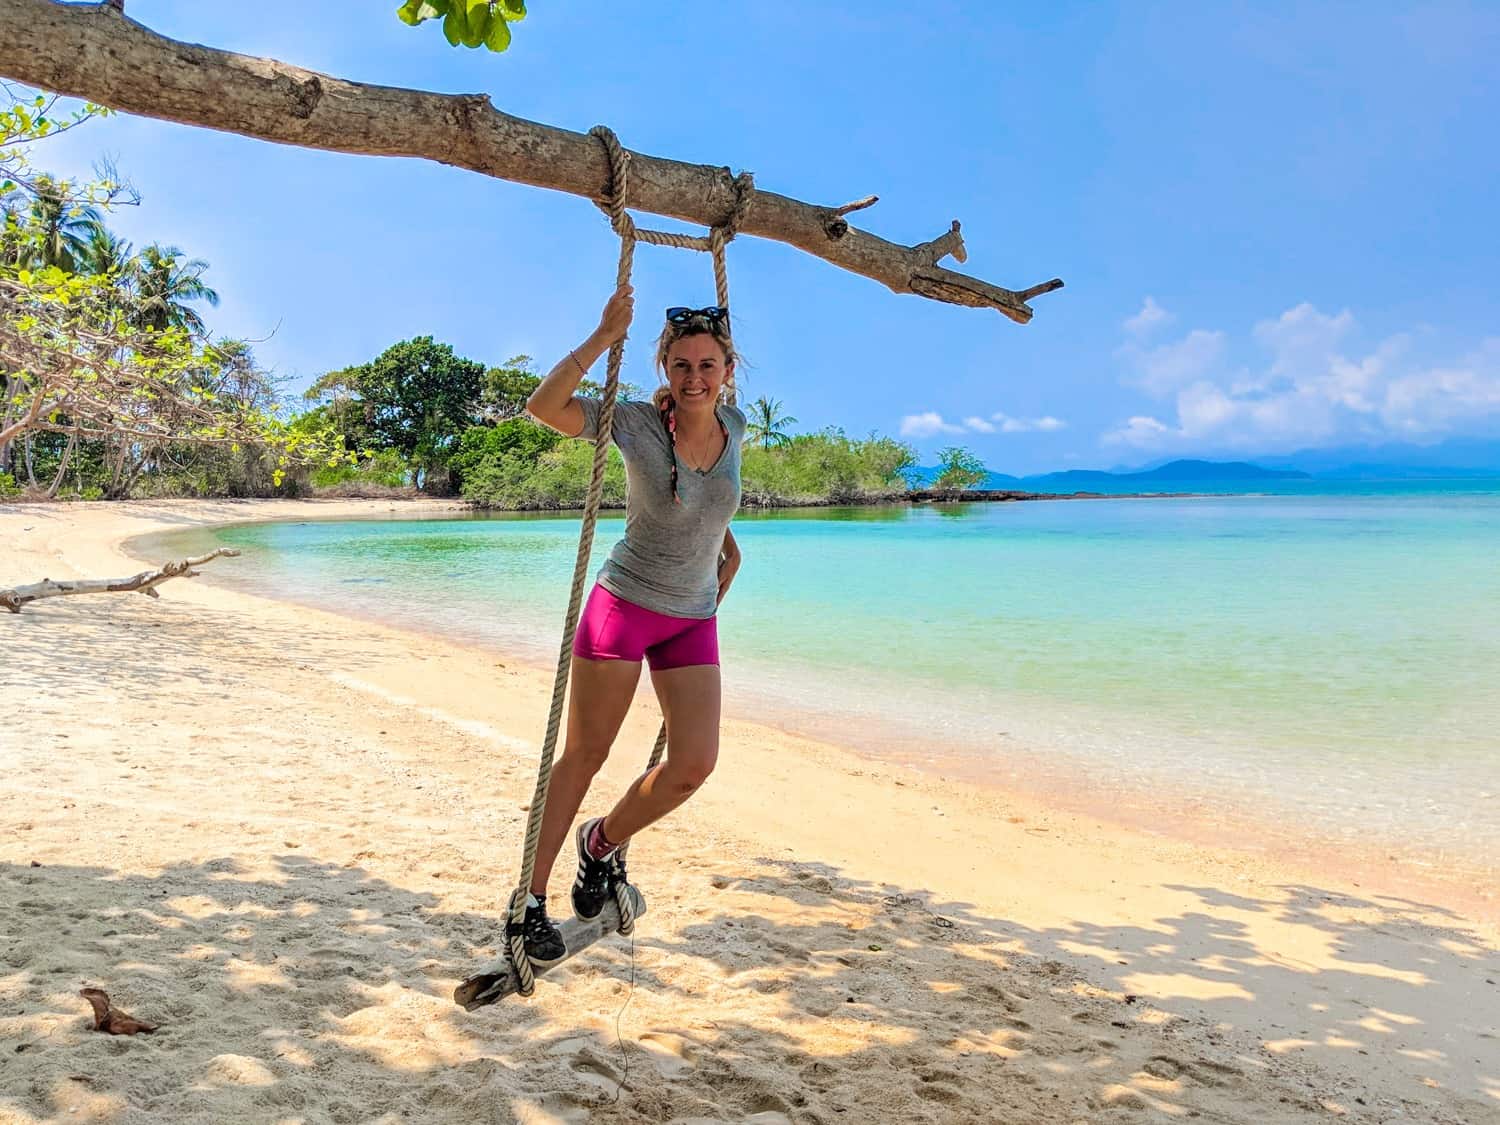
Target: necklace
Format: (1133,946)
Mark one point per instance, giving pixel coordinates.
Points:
(701,459)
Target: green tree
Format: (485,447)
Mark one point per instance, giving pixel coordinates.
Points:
(766,423)
(504,390)
(417,397)
(958,468)
(162,285)
(519,439)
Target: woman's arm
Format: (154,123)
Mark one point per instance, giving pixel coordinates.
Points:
(552,403)
(729,563)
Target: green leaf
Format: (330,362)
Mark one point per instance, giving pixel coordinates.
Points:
(513,9)
(499,37)
(414,12)
(454,28)
(476,22)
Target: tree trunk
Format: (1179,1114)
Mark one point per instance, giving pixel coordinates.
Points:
(62,467)
(95,51)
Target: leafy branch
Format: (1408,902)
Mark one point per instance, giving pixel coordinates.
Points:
(468,23)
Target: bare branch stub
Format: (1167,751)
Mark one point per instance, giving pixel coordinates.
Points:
(857,205)
(950,241)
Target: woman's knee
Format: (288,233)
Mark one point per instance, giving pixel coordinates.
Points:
(587,755)
(689,774)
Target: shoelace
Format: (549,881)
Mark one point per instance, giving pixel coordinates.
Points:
(600,874)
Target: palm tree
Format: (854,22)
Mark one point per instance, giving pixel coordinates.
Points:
(163,286)
(12,233)
(59,228)
(104,253)
(766,422)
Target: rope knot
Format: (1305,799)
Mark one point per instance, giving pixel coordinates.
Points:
(615,191)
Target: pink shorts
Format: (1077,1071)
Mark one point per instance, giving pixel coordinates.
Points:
(613,629)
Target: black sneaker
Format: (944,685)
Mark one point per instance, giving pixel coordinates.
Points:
(544,941)
(597,878)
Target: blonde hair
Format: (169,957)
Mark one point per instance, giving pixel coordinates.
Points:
(696,326)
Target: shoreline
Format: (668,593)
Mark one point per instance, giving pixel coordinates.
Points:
(1199,937)
(1157,803)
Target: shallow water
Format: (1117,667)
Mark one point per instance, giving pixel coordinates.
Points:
(1332,658)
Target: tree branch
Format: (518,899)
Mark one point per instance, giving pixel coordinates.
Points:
(95,51)
(145,582)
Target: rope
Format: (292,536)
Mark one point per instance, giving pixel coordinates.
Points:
(612,204)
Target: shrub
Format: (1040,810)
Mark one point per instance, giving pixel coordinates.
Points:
(958,468)
(386,468)
(559,478)
(826,467)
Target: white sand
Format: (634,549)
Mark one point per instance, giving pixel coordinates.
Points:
(286,835)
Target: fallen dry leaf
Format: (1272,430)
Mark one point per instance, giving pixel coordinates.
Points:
(112,1020)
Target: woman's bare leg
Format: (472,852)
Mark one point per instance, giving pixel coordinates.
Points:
(690,700)
(597,705)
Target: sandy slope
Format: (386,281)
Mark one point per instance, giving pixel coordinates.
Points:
(285,836)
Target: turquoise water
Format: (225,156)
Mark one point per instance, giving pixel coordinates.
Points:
(1331,657)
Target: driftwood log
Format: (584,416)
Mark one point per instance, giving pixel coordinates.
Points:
(95,51)
(145,582)
(498,980)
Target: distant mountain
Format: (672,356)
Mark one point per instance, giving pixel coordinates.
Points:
(1454,458)
(1087,480)
(1171,472)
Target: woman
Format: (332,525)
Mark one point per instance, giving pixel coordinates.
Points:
(655,598)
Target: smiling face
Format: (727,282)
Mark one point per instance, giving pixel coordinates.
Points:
(697,369)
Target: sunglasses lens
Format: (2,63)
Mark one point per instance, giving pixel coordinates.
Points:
(681,314)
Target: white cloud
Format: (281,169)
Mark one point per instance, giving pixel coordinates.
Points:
(927,424)
(1165,368)
(1431,402)
(1025,425)
(930,423)
(1302,334)
(1310,386)
(1151,317)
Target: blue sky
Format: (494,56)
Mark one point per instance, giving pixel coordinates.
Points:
(1276,221)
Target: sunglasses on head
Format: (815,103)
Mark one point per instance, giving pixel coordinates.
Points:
(681,314)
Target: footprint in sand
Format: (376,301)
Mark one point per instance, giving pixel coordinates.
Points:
(670,1053)
(814,882)
(940,1092)
(1011,1003)
(789,951)
(563,1107)
(594,1069)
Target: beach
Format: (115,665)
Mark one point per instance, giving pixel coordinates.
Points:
(285,835)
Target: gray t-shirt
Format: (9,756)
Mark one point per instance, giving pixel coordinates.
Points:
(668,560)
